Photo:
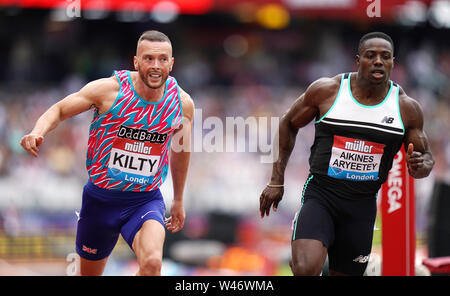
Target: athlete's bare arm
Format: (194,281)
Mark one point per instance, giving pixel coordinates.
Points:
(179,163)
(419,158)
(98,94)
(314,103)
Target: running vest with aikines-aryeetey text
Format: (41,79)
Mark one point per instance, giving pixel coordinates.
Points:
(129,145)
(355,144)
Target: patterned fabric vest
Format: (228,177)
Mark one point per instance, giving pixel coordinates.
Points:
(128,148)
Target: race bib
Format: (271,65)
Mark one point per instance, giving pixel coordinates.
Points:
(135,156)
(355,160)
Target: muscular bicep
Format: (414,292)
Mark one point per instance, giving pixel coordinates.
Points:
(98,94)
(307,107)
(301,112)
(74,104)
(413,121)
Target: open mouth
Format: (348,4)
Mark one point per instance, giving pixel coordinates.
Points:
(154,77)
(378,74)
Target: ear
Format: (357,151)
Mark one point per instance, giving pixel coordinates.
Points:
(357,59)
(172,61)
(135,62)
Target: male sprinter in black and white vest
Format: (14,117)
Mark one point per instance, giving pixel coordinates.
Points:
(361,119)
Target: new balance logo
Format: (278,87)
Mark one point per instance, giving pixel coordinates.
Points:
(361,259)
(387,119)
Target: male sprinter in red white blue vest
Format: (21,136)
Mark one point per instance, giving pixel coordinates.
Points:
(135,117)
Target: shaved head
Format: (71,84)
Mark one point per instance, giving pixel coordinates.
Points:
(153,35)
(372,35)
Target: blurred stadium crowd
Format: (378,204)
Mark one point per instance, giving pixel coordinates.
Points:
(230,70)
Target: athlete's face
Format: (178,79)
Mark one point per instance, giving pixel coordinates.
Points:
(375,60)
(153,61)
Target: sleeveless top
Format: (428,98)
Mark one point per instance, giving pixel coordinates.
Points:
(129,145)
(355,144)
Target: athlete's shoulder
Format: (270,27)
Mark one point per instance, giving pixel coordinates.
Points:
(324,88)
(327,82)
(186,98)
(187,103)
(101,93)
(407,102)
(410,109)
(101,87)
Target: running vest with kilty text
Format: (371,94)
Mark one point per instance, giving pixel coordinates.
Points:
(355,144)
(129,145)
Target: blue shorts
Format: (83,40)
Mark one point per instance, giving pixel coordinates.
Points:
(107,213)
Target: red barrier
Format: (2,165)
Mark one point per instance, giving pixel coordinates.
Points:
(398,220)
(439,265)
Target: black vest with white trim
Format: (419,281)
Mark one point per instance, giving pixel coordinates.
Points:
(355,144)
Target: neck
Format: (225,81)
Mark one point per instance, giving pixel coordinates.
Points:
(368,90)
(148,93)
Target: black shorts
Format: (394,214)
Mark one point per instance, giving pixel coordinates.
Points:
(344,226)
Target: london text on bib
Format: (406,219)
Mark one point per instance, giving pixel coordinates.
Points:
(356,160)
(135,155)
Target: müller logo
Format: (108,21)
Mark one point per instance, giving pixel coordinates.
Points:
(359,146)
(141,135)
